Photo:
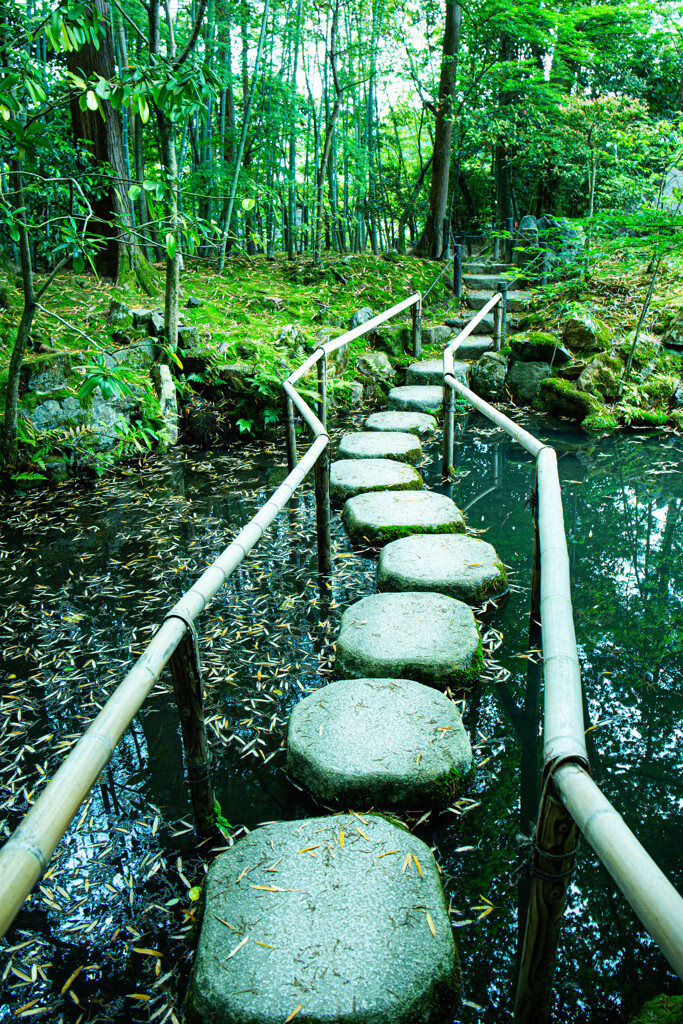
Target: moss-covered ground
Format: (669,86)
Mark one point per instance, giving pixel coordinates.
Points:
(239,318)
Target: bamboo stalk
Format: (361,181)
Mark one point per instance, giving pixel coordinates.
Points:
(448,431)
(417,330)
(290,431)
(466,331)
(527,440)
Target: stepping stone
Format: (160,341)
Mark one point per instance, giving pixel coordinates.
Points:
(349,477)
(474,347)
(336,928)
(393,444)
(421,755)
(462,567)
(416,399)
(427,637)
(485,326)
(430,372)
(410,422)
(376,519)
(517,301)
(483,267)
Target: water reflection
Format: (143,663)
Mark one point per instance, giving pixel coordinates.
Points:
(87,575)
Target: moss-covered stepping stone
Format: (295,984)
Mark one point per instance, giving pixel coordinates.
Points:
(430,372)
(420,423)
(420,752)
(358,476)
(428,637)
(416,399)
(401,446)
(375,519)
(462,567)
(317,918)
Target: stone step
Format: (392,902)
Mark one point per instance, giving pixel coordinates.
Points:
(419,423)
(430,372)
(462,567)
(474,346)
(416,399)
(375,519)
(484,327)
(492,282)
(517,301)
(349,477)
(421,755)
(427,637)
(389,444)
(338,929)
(486,267)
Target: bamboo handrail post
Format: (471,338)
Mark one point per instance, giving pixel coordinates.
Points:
(497,327)
(509,227)
(448,431)
(457,270)
(290,433)
(322,390)
(417,328)
(322,513)
(554,844)
(503,314)
(187,686)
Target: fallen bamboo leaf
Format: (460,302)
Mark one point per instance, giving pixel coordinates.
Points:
(406,862)
(293,1013)
(417,865)
(431,925)
(387,854)
(69,981)
(237,948)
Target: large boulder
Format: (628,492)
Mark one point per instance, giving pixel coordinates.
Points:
(487,375)
(586,333)
(525,246)
(168,401)
(564,243)
(361,316)
(646,353)
(375,365)
(564,399)
(673,337)
(602,377)
(524,380)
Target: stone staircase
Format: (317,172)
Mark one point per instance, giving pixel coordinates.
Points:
(482,280)
(343,917)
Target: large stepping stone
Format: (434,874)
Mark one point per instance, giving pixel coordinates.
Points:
(379,742)
(317,917)
(427,637)
(485,325)
(474,347)
(430,372)
(349,477)
(517,301)
(484,267)
(462,567)
(376,519)
(419,423)
(401,446)
(416,399)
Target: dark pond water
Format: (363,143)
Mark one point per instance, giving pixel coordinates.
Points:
(87,574)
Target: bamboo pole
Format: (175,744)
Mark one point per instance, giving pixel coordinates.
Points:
(554,845)
(187,686)
(527,440)
(322,390)
(457,270)
(658,905)
(448,431)
(290,431)
(417,329)
(466,331)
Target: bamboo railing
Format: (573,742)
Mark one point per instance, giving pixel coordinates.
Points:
(570,800)
(26,854)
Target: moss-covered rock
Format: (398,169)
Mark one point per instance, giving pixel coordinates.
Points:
(396,342)
(539,347)
(602,376)
(586,333)
(564,399)
(646,352)
(487,376)
(664,1009)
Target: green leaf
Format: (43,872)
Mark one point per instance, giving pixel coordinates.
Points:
(91,100)
(143,109)
(134,191)
(170,244)
(248,204)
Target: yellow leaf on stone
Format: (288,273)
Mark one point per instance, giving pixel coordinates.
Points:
(431,925)
(293,1013)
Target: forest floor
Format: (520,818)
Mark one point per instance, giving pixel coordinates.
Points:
(260,317)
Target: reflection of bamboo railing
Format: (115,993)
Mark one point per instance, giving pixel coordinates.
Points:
(25,855)
(569,798)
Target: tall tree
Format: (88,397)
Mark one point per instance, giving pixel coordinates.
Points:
(431,240)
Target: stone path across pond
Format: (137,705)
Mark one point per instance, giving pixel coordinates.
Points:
(301,918)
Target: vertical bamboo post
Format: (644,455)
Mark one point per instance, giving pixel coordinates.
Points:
(457,270)
(290,435)
(322,512)
(446,245)
(509,227)
(417,328)
(503,314)
(497,326)
(187,686)
(448,431)
(322,389)
(555,841)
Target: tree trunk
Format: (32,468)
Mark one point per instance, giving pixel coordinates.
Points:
(431,241)
(104,143)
